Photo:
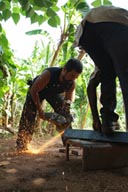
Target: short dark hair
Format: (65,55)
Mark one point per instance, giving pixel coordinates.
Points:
(74,64)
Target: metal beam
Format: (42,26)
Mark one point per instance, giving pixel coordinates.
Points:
(116,137)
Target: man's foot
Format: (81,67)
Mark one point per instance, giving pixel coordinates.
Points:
(116,125)
(109,123)
(21,149)
(108,127)
(107,130)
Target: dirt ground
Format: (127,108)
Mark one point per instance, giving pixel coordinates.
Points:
(48,171)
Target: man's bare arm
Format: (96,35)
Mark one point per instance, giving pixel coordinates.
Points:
(70,94)
(39,85)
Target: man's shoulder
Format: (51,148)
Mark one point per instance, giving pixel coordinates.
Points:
(53,70)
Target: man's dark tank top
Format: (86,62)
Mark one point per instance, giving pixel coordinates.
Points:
(54,86)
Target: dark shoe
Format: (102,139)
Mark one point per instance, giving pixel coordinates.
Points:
(109,123)
(108,127)
(107,130)
(115,125)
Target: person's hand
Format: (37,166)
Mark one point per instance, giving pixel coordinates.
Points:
(41,114)
(66,106)
(97,125)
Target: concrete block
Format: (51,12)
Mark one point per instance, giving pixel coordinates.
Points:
(100,155)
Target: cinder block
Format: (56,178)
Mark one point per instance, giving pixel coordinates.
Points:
(100,155)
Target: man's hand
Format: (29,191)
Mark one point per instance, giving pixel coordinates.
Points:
(41,114)
(66,106)
(97,125)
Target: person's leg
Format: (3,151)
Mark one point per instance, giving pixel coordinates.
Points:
(94,81)
(108,100)
(117,48)
(92,43)
(26,125)
(108,96)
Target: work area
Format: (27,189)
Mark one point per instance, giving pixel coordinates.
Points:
(98,151)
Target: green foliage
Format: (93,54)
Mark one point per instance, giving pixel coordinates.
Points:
(54,21)
(34,32)
(6,14)
(107,2)
(97,3)
(16,17)
(2,6)
(37,11)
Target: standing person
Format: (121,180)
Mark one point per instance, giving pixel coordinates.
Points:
(103,34)
(110,122)
(50,85)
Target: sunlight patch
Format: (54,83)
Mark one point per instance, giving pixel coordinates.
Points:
(39,181)
(11,170)
(2,163)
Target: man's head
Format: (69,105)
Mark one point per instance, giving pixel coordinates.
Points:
(72,69)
